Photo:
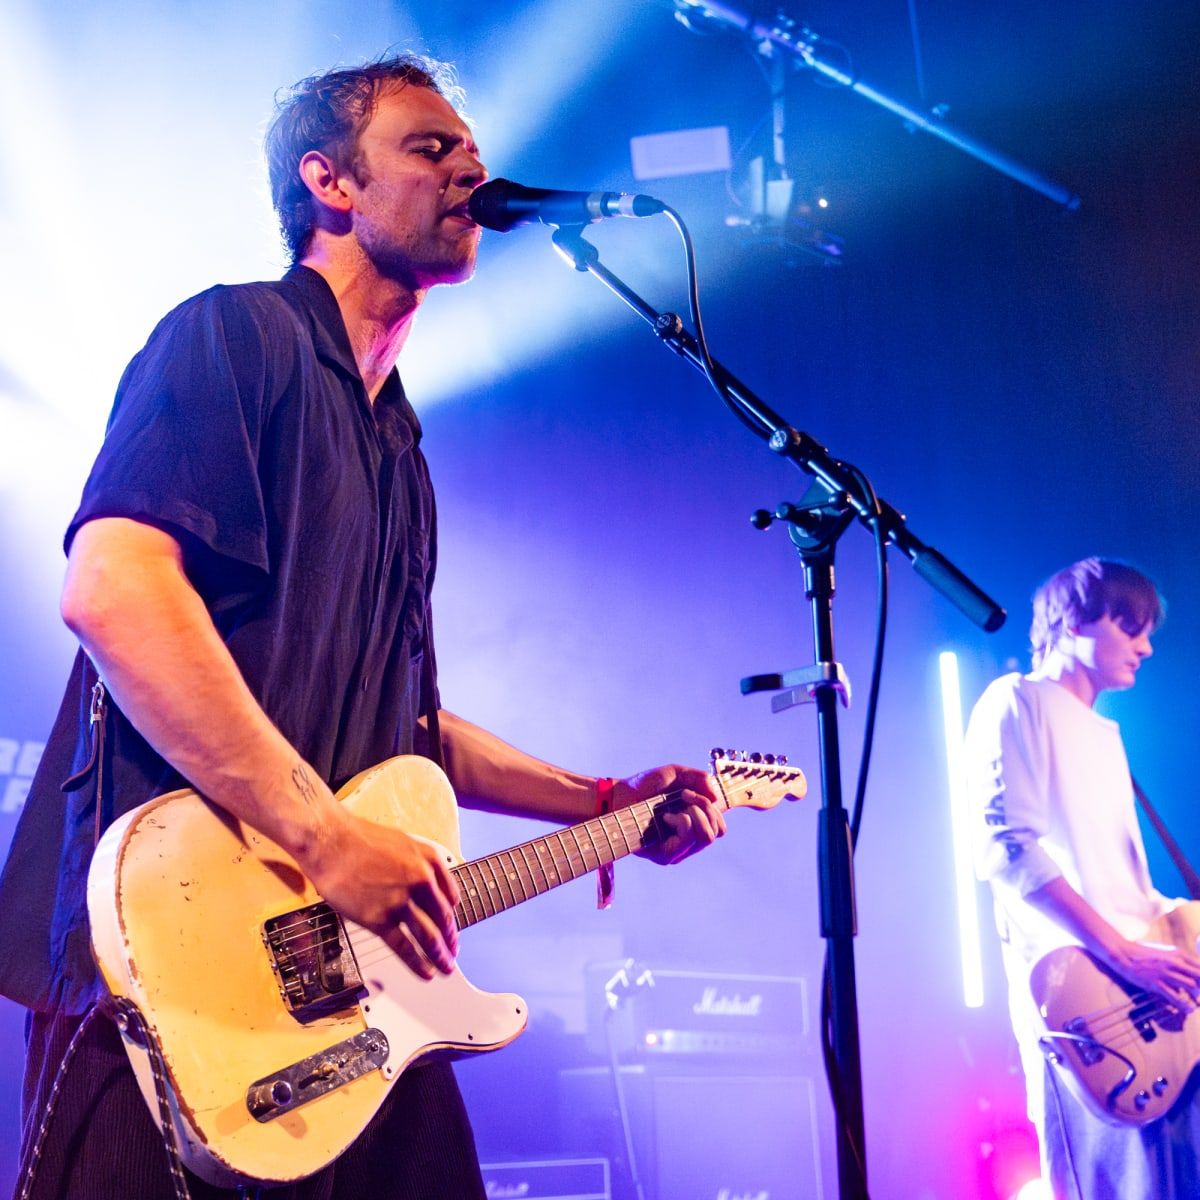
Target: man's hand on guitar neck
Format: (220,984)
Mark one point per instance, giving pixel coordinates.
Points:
(695,819)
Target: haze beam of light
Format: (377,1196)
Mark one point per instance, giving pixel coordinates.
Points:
(541,61)
(522,304)
(964,876)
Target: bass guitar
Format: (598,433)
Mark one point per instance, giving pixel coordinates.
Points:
(1123,1052)
(266,1030)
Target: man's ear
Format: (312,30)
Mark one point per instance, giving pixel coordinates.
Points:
(323,181)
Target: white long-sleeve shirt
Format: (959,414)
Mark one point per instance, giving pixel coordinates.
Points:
(1051,796)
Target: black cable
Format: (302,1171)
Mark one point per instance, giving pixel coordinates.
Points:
(754,424)
(881,613)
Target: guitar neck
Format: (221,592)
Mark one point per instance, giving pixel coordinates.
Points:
(491,885)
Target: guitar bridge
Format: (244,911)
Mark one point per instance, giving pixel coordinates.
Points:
(313,962)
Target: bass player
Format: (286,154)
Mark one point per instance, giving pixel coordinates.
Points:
(1059,842)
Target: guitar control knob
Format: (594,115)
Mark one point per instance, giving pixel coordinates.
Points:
(1141,1100)
(1160,1086)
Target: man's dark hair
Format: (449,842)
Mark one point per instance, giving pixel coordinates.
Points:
(328,112)
(1084,592)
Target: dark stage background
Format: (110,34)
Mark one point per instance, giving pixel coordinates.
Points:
(1018,379)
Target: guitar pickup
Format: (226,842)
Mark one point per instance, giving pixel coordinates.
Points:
(306,1080)
(313,962)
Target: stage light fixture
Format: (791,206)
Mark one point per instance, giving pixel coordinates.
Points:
(964,875)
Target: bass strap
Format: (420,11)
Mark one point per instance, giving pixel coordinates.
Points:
(1190,878)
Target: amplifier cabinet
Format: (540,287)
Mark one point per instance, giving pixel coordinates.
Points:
(701,1135)
(548,1179)
(644,1013)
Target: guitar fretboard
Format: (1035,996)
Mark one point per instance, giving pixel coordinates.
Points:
(491,885)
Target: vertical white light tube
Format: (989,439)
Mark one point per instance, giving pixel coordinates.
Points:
(964,875)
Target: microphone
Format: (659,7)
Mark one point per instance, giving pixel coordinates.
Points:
(501,204)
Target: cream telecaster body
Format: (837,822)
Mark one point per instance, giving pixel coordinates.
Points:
(281,1026)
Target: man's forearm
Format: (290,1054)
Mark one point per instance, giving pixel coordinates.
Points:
(489,774)
(139,619)
(1059,901)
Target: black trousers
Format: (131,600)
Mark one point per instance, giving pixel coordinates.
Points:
(103,1145)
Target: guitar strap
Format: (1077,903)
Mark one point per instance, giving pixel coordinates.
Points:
(97,729)
(1190,878)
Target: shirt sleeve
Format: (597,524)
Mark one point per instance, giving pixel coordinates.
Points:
(1007,755)
(184,440)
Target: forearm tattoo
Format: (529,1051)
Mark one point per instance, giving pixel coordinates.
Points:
(304,784)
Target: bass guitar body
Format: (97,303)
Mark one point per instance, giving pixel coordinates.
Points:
(1124,1053)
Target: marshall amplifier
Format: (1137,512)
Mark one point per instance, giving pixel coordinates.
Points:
(551,1179)
(721,1135)
(693,1015)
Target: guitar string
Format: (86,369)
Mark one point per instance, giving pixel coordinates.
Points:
(1134,1000)
(302,928)
(1128,1026)
(366,943)
(298,929)
(372,942)
(1120,1017)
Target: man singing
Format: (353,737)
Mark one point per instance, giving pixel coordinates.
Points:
(248,575)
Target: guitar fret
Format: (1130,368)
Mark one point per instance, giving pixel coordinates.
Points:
(514,873)
(543,849)
(563,858)
(595,850)
(579,848)
(537,891)
(620,824)
(488,871)
(466,890)
(481,890)
(512,896)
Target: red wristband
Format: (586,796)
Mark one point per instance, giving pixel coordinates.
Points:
(604,872)
(604,796)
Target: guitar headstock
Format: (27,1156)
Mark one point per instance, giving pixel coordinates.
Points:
(756,780)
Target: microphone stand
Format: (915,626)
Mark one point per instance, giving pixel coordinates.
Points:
(805,47)
(834,500)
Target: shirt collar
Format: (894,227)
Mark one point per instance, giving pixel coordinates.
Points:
(308,291)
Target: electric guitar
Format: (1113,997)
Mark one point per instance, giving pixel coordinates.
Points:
(1124,1053)
(275,1027)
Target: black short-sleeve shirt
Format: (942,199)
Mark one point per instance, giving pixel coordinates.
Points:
(307,523)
